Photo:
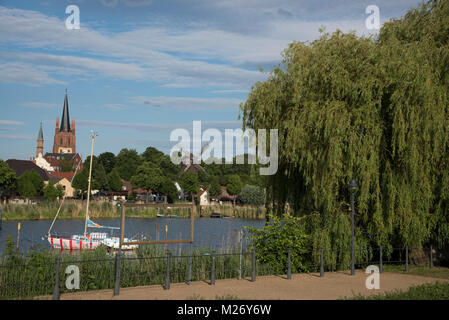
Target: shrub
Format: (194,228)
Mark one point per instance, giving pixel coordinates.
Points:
(276,238)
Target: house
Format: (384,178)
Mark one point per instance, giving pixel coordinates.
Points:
(203,197)
(225,196)
(64,179)
(66,186)
(22,166)
(58,160)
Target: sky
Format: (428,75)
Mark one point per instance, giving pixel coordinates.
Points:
(137,69)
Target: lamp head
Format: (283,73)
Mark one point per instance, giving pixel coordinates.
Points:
(353,186)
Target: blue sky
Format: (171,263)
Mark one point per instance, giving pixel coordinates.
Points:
(137,69)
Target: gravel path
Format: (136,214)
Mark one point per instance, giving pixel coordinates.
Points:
(334,285)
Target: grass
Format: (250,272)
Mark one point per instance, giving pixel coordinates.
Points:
(435,291)
(76,209)
(22,277)
(425,271)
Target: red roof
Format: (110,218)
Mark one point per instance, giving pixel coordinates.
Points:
(60,174)
(127,185)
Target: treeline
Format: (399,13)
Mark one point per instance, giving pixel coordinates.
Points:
(152,169)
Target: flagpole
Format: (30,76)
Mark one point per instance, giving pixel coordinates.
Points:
(88,186)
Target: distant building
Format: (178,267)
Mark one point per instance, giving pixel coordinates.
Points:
(63,156)
(65,139)
(66,186)
(203,197)
(22,166)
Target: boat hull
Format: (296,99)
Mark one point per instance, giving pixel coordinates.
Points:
(62,243)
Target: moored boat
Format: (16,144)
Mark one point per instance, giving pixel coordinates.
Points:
(86,240)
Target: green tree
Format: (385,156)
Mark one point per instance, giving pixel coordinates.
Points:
(127,162)
(113,180)
(168,188)
(148,176)
(374,109)
(107,160)
(30,184)
(99,180)
(8,177)
(50,192)
(253,195)
(60,191)
(274,240)
(234,186)
(27,189)
(215,189)
(189,183)
(80,181)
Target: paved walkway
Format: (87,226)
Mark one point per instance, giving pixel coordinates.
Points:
(334,285)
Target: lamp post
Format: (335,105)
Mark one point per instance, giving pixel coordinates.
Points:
(353,189)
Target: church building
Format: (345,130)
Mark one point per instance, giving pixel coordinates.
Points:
(63,157)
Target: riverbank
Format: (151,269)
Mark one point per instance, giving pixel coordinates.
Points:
(106,210)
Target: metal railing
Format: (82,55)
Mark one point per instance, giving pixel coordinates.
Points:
(22,281)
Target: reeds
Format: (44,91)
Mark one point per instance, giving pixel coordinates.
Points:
(76,209)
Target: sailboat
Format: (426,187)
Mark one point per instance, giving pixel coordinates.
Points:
(86,240)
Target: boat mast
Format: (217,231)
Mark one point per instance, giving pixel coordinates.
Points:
(90,178)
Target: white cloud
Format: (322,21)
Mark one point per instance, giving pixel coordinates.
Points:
(12,122)
(188,103)
(37,104)
(25,73)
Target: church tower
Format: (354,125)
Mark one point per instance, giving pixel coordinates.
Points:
(40,142)
(65,139)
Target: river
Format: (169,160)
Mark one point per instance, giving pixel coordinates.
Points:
(214,233)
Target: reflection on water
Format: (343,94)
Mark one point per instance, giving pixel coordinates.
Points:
(210,233)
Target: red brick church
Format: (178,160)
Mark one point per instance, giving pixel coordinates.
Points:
(63,156)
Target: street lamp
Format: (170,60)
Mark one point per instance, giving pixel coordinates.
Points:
(353,189)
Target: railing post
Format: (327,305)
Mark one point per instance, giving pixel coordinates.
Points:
(56,292)
(253,273)
(289,272)
(322,263)
(212,275)
(431,257)
(167,276)
(118,265)
(189,278)
(240,253)
(406,257)
(381,268)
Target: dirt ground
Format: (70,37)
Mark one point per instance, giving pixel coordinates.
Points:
(332,286)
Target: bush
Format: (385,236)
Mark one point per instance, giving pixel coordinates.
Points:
(253,195)
(276,238)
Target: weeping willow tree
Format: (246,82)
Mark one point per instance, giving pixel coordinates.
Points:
(370,108)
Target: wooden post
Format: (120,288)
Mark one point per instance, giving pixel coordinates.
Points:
(18,236)
(56,292)
(322,263)
(381,260)
(289,269)
(406,258)
(253,271)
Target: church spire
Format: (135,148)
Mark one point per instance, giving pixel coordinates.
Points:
(40,136)
(65,121)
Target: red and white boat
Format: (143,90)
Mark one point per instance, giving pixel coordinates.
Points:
(85,240)
(77,242)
